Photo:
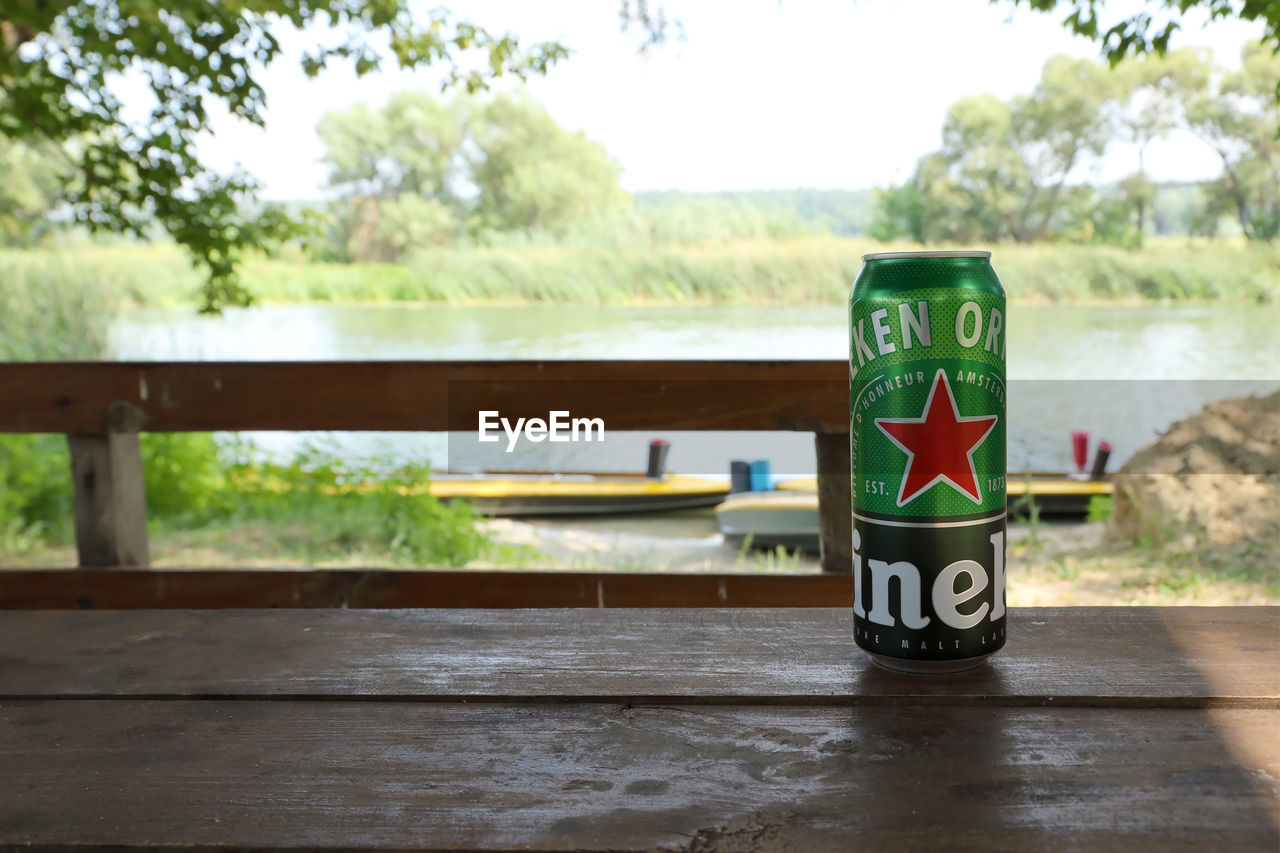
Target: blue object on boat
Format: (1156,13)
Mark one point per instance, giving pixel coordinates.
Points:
(761,481)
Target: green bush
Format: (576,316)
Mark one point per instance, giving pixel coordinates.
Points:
(35,487)
(348,509)
(339,508)
(186,478)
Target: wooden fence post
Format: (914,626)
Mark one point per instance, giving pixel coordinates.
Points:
(835,513)
(110,492)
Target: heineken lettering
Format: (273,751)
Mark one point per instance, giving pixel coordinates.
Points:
(927,440)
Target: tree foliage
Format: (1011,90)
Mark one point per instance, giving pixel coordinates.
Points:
(31,177)
(1151,29)
(1003,168)
(1154,93)
(61,63)
(420,171)
(533,175)
(394,169)
(1239,119)
(1009,170)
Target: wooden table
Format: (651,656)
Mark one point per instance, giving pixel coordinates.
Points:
(1098,728)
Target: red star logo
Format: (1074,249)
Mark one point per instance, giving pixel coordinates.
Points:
(939,444)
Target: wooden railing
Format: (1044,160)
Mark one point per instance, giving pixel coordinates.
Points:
(102,408)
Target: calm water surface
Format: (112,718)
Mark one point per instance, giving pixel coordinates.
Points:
(1123,372)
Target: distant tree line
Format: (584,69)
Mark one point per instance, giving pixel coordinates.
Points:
(422,170)
(1004,169)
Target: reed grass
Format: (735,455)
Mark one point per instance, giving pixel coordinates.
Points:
(805,270)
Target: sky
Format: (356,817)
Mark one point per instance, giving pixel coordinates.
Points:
(759,94)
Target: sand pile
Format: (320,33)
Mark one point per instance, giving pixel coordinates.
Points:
(1212,479)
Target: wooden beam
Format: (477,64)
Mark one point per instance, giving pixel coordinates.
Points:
(835,511)
(68,589)
(110,493)
(68,397)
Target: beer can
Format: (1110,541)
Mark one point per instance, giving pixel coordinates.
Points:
(927,410)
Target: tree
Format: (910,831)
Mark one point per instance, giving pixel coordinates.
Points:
(415,171)
(406,147)
(1090,216)
(978,182)
(1205,217)
(393,168)
(1239,119)
(1139,195)
(1064,120)
(59,63)
(1155,90)
(533,175)
(1002,170)
(899,213)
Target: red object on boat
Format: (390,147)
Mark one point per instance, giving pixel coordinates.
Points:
(1080,449)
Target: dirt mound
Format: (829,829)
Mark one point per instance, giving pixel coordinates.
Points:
(1212,479)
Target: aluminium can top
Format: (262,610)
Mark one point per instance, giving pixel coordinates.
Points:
(964,253)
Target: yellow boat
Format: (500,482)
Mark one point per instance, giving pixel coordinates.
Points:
(1052,493)
(539,493)
(510,493)
(788,515)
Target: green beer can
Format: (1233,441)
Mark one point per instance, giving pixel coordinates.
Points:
(927,441)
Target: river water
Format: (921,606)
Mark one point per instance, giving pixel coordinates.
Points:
(1122,372)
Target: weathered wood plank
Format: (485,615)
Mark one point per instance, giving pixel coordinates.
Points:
(1133,657)
(259,775)
(56,589)
(669,395)
(110,493)
(835,503)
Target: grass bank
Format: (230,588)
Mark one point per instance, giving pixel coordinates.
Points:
(809,270)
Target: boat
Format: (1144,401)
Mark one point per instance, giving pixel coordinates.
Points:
(787,516)
(511,493)
(784,518)
(1052,492)
(532,493)
(548,493)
